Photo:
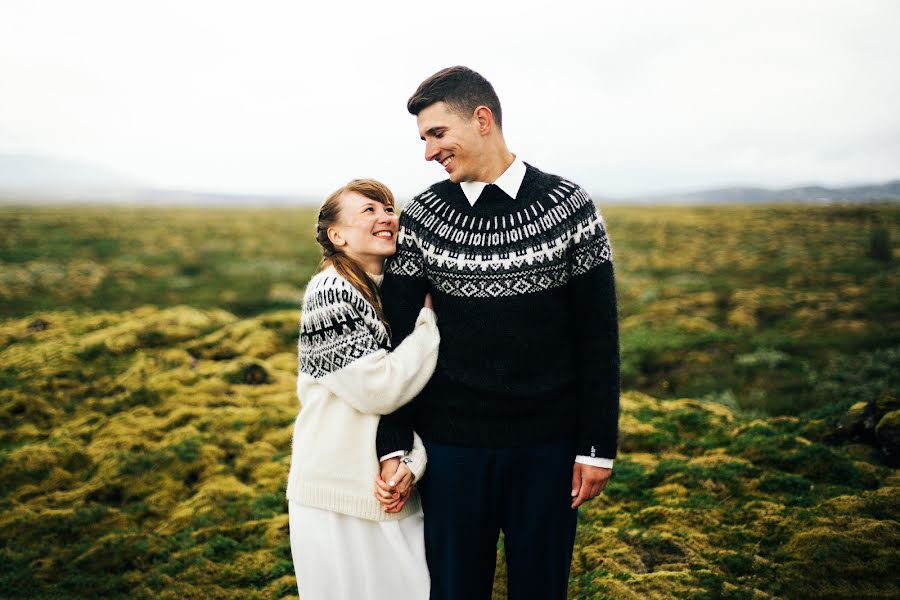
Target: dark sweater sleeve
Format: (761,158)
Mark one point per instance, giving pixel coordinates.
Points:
(403,294)
(593,299)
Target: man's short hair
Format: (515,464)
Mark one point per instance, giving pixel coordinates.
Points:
(461,88)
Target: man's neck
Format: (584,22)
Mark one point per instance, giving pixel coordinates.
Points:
(495,161)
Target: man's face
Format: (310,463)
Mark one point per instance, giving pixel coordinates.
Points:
(452,140)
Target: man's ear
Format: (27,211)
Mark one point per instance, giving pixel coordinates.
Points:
(485,118)
(334,234)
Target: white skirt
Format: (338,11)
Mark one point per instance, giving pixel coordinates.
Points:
(337,556)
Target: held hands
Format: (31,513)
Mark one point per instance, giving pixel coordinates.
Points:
(394,485)
(587,482)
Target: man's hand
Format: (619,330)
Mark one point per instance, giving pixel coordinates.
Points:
(588,482)
(394,484)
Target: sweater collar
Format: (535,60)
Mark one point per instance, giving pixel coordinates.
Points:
(509,181)
(376,278)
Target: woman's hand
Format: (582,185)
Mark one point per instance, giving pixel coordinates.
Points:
(394,485)
(396,501)
(428,303)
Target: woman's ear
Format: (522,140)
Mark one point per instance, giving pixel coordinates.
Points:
(334,234)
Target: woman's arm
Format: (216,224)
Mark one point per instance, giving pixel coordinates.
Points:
(381,382)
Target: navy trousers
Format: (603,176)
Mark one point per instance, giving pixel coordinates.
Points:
(469,495)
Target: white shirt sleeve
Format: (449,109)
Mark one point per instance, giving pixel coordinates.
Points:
(418,456)
(392,455)
(606,463)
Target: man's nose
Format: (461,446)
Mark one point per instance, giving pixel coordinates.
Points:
(431,150)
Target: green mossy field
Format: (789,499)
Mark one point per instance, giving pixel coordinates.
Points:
(147,394)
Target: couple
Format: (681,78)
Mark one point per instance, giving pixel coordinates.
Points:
(488,343)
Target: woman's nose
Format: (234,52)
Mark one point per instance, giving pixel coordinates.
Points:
(385,216)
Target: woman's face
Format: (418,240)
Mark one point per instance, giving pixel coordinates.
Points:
(367,227)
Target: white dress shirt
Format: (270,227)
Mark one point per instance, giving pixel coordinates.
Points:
(510,181)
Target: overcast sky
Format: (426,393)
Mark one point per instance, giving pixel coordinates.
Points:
(624,97)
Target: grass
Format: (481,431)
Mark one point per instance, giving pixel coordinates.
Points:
(147,395)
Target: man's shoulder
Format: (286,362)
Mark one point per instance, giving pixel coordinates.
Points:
(540,175)
(549,184)
(423,203)
(438,190)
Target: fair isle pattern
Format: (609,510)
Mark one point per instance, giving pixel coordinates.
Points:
(552,238)
(337,326)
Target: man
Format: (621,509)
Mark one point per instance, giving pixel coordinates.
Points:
(520,419)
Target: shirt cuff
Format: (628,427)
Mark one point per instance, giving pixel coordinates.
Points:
(392,455)
(606,463)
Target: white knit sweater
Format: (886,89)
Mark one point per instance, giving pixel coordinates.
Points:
(348,377)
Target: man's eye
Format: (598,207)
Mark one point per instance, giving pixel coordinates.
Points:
(439,134)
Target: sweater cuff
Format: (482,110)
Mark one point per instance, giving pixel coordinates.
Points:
(419,458)
(426,315)
(606,447)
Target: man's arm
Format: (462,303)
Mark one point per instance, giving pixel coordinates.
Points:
(403,294)
(596,342)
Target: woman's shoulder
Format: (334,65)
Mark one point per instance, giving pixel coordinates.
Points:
(331,287)
(327,278)
(337,325)
(330,293)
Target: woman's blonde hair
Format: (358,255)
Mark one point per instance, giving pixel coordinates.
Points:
(346,266)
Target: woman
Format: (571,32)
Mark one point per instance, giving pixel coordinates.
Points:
(345,541)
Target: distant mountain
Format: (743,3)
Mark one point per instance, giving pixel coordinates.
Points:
(43,174)
(885,192)
(41,179)
(164,197)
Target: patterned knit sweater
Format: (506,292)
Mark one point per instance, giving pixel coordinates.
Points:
(525,294)
(347,379)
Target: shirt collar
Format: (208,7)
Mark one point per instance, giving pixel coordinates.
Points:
(509,181)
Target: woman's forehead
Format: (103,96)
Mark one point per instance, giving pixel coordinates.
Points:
(352,199)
